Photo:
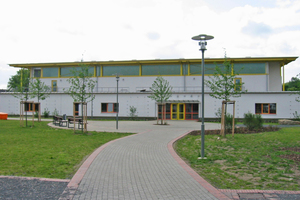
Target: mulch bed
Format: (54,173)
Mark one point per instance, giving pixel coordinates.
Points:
(240,130)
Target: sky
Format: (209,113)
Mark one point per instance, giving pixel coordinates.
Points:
(41,31)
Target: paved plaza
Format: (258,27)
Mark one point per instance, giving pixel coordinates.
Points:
(140,166)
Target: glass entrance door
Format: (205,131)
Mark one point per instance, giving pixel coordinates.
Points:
(178,111)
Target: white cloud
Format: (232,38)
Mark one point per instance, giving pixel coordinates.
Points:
(63,30)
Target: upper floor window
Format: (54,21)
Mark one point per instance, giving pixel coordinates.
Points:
(54,85)
(238,84)
(50,72)
(36,73)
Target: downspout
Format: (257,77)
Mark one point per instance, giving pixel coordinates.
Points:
(184,76)
(283,84)
(267,76)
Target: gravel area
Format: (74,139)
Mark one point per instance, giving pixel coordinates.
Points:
(31,188)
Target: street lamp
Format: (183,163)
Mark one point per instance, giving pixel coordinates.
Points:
(202,43)
(117,78)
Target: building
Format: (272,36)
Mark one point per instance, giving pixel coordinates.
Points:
(263,78)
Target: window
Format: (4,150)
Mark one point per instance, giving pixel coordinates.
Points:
(238,84)
(124,70)
(191,111)
(250,68)
(196,69)
(67,71)
(36,73)
(161,70)
(28,107)
(109,107)
(50,72)
(54,85)
(161,111)
(265,108)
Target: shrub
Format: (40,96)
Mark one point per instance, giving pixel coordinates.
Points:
(46,113)
(132,113)
(36,114)
(296,116)
(252,121)
(218,114)
(228,121)
(55,112)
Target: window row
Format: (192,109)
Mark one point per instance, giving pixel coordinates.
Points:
(149,70)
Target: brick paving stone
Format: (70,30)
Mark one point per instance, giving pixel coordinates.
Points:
(140,167)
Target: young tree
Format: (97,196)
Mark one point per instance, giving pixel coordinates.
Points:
(223,84)
(161,91)
(81,85)
(39,89)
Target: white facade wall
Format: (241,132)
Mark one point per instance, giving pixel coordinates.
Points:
(285,104)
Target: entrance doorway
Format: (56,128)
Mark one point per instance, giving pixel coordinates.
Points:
(178,111)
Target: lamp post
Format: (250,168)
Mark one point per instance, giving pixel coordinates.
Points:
(202,43)
(117,78)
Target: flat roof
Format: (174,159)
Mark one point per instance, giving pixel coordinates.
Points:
(282,60)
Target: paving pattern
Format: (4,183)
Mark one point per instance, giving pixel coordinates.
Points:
(140,167)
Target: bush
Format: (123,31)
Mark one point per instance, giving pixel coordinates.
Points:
(218,114)
(46,113)
(36,114)
(228,121)
(132,113)
(55,112)
(252,121)
(296,116)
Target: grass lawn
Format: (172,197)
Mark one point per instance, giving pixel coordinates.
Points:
(42,151)
(269,160)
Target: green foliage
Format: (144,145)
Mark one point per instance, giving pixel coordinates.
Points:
(222,82)
(46,113)
(132,113)
(81,84)
(293,84)
(228,121)
(296,116)
(218,114)
(18,82)
(38,89)
(247,161)
(42,151)
(55,112)
(252,121)
(161,90)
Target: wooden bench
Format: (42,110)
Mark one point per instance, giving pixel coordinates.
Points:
(58,120)
(78,121)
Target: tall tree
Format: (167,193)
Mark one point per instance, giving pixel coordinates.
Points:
(81,85)
(294,85)
(18,82)
(161,91)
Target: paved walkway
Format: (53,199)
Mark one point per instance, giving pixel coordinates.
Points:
(140,166)
(145,166)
